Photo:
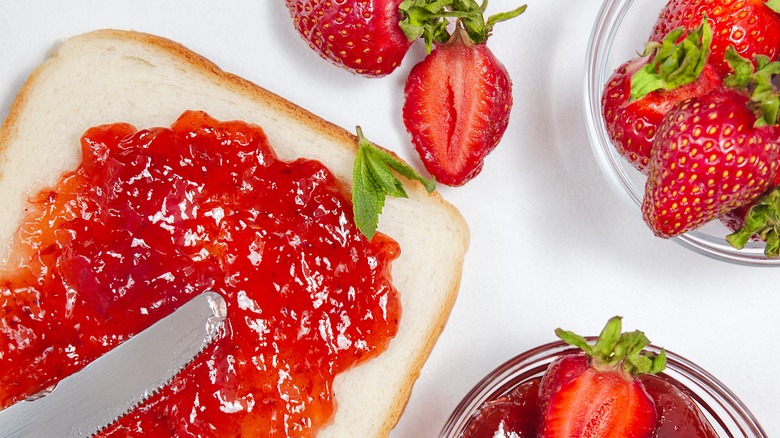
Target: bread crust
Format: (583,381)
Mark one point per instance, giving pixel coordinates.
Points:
(396,221)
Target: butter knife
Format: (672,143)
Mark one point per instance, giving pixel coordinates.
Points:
(91,399)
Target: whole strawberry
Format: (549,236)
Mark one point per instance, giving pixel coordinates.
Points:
(362,36)
(642,90)
(751,26)
(597,393)
(458,100)
(713,153)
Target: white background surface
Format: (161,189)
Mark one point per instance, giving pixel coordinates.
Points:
(552,244)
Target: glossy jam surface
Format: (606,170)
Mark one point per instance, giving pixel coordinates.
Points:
(513,415)
(678,414)
(151,218)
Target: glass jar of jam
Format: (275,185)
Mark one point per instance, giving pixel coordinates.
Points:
(506,396)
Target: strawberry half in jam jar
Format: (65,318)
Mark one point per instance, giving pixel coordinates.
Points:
(153,217)
(535,394)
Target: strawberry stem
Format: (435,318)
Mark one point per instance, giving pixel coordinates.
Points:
(756,81)
(673,64)
(763,221)
(614,349)
(428,19)
(773,5)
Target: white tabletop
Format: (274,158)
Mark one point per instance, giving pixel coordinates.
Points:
(552,244)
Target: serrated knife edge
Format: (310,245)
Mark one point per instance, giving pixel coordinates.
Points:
(115,383)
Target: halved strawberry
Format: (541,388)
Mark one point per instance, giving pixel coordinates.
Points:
(458,99)
(642,90)
(597,394)
(457,105)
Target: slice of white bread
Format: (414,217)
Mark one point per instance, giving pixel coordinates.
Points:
(112,76)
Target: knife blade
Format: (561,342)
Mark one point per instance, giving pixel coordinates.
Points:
(91,399)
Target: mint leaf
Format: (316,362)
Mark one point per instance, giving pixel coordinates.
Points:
(373,181)
(402,168)
(367,197)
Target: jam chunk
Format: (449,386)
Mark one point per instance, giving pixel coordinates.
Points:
(153,217)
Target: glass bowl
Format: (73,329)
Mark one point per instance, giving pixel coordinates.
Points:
(619,33)
(725,412)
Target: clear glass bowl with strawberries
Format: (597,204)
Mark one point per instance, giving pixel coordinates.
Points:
(515,399)
(661,163)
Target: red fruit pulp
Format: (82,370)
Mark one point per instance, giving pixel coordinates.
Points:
(598,404)
(512,415)
(151,218)
(678,414)
(457,106)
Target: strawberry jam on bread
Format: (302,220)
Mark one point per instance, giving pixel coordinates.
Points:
(152,217)
(110,76)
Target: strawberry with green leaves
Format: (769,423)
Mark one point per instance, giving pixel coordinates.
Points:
(714,153)
(371,37)
(457,100)
(597,393)
(751,26)
(642,90)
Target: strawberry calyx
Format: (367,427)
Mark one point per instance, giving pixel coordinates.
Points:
(763,221)
(615,350)
(674,62)
(773,5)
(424,19)
(428,19)
(756,81)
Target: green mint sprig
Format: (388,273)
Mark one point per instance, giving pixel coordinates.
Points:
(373,181)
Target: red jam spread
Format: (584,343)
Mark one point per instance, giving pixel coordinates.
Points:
(513,415)
(153,217)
